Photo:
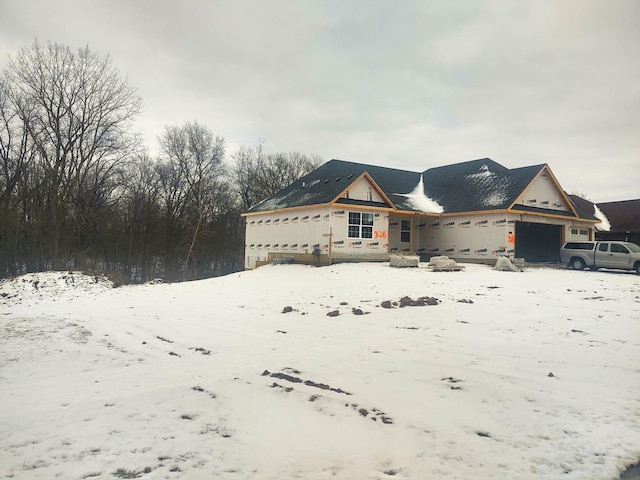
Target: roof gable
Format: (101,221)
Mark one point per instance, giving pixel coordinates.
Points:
(544,191)
(364,189)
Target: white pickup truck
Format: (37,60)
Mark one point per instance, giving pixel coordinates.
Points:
(594,255)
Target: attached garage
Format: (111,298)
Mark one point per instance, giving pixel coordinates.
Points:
(538,242)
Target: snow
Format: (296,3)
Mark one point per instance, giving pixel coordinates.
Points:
(483,171)
(495,199)
(420,201)
(604,224)
(519,375)
(495,187)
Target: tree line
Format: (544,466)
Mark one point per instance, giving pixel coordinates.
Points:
(78,189)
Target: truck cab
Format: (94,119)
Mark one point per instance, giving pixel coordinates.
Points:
(613,255)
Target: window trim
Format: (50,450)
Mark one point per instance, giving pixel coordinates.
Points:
(364,226)
(405,232)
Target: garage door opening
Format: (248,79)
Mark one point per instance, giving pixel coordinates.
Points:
(538,242)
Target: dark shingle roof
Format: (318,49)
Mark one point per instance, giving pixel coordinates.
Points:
(623,216)
(584,208)
(327,182)
(475,185)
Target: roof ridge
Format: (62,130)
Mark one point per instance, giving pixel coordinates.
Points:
(372,165)
(467,162)
(538,166)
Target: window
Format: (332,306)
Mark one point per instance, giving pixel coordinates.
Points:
(354,224)
(405,231)
(367,225)
(615,248)
(603,247)
(580,245)
(360,225)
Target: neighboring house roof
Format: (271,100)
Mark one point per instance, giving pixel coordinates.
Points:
(476,185)
(623,216)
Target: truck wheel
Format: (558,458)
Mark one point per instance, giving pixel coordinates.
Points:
(637,269)
(577,264)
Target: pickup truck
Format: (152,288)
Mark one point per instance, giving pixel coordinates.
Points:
(594,255)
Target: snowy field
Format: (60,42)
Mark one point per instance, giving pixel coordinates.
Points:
(511,375)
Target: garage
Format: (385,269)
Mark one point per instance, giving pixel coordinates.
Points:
(538,242)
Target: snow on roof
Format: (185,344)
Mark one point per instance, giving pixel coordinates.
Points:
(495,199)
(483,171)
(604,224)
(420,201)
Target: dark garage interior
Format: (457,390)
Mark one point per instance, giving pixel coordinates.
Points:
(538,242)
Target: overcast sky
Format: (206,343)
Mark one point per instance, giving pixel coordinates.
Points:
(403,84)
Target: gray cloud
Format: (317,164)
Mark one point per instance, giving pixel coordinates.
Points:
(404,84)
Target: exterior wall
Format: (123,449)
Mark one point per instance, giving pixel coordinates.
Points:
(577,232)
(299,231)
(362,190)
(482,238)
(345,247)
(396,243)
(544,193)
(286,232)
(468,237)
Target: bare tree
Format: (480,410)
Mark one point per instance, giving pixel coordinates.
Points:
(245,170)
(193,163)
(77,111)
(281,169)
(76,191)
(15,157)
(139,209)
(15,151)
(259,175)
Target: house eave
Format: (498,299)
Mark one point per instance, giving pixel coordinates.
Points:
(286,209)
(548,214)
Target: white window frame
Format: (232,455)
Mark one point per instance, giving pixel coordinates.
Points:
(405,228)
(360,225)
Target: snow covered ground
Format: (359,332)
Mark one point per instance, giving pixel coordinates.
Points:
(512,375)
